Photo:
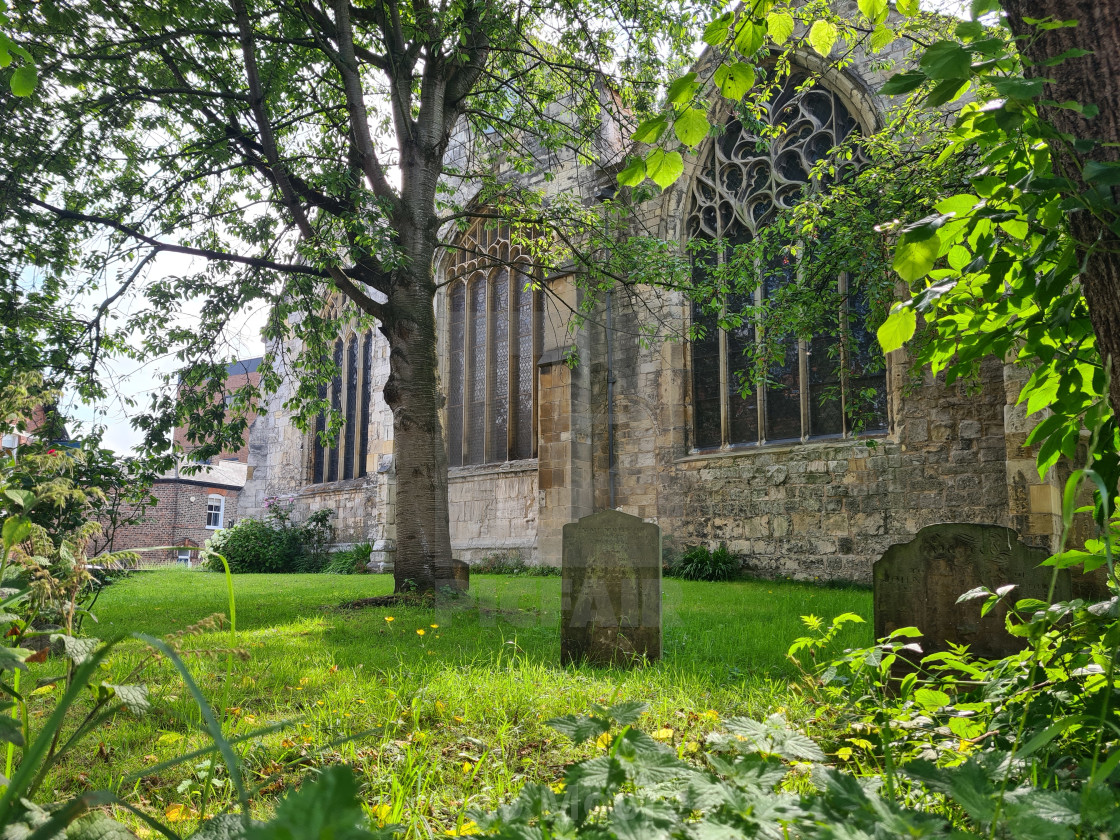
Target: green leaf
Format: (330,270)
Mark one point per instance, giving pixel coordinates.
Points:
(715,33)
(325,809)
(930,699)
(24,80)
(907,8)
(875,11)
(681,90)
(633,174)
(24,498)
(579,727)
(651,130)
(78,650)
(946,60)
(10,731)
(882,36)
(1105,173)
(735,80)
(947,91)
(12,658)
(822,36)
(664,167)
(132,697)
(691,126)
(15,530)
(969,29)
(898,328)
(915,255)
(779,26)
(626,712)
(903,83)
(97,826)
(750,37)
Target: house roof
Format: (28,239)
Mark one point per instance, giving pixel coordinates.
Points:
(243,366)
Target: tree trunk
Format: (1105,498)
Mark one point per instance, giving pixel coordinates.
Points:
(1091,79)
(423,535)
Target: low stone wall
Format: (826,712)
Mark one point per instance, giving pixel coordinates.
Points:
(494,510)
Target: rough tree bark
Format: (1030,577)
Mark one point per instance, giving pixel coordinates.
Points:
(1091,79)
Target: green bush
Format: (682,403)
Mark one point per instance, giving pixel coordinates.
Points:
(512,564)
(701,563)
(275,544)
(254,546)
(352,561)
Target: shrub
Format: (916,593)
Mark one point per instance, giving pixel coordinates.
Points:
(352,561)
(254,546)
(700,563)
(512,564)
(275,544)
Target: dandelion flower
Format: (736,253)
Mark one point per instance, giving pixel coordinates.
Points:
(434,626)
(420,632)
(389,618)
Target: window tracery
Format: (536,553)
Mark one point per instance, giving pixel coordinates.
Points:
(493,329)
(350,393)
(743,181)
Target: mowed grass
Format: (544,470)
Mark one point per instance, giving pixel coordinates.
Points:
(434,722)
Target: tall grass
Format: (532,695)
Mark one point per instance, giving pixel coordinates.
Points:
(456,712)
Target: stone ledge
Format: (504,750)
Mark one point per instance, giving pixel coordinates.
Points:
(779,448)
(508,468)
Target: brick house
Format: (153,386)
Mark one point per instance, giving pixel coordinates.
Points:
(659,429)
(193,500)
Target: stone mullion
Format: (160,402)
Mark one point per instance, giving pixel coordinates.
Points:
(759,387)
(488,367)
(468,326)
(842,280)
(512,357)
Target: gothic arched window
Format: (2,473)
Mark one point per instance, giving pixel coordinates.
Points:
(492,338)
(350,393)
(812,388)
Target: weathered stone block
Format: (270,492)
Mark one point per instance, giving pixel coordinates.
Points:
(610,611)
(918,584)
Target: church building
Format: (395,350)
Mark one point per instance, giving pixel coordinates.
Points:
(662,429)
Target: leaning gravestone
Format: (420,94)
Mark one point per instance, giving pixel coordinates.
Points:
(610,612)
(918,583)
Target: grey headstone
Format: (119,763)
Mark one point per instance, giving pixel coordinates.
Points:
(610,611)
(918,583)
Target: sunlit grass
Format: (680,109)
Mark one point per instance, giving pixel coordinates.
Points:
(454,716)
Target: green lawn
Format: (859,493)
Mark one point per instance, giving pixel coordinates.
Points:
(457,712)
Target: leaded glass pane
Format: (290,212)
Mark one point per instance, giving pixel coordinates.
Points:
(826,413)
(456,354)
(351,421)
(336,404)
(476,379)
(499,364)
(867,380)
(523,366)
(318,451)
(783,378)
(367,398)
(742,397)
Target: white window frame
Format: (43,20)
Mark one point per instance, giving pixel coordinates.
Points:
(221,511)
(184,556)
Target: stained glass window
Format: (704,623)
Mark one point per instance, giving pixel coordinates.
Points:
(493,326)
(336,404)
(350,392)
(825,386)
(367,398)
(350,424)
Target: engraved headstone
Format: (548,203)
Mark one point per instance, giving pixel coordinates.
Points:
(917,584)
(610,612)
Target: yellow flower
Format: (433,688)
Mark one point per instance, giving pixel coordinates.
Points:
(420,632)
(360,700)
(467,767)
(457,719)
(319,702)
(663,734)
(382,812)
(603,741)
(177,813)
(466,829)
(434,626)
(389,618)
(304,680)
(250,718)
